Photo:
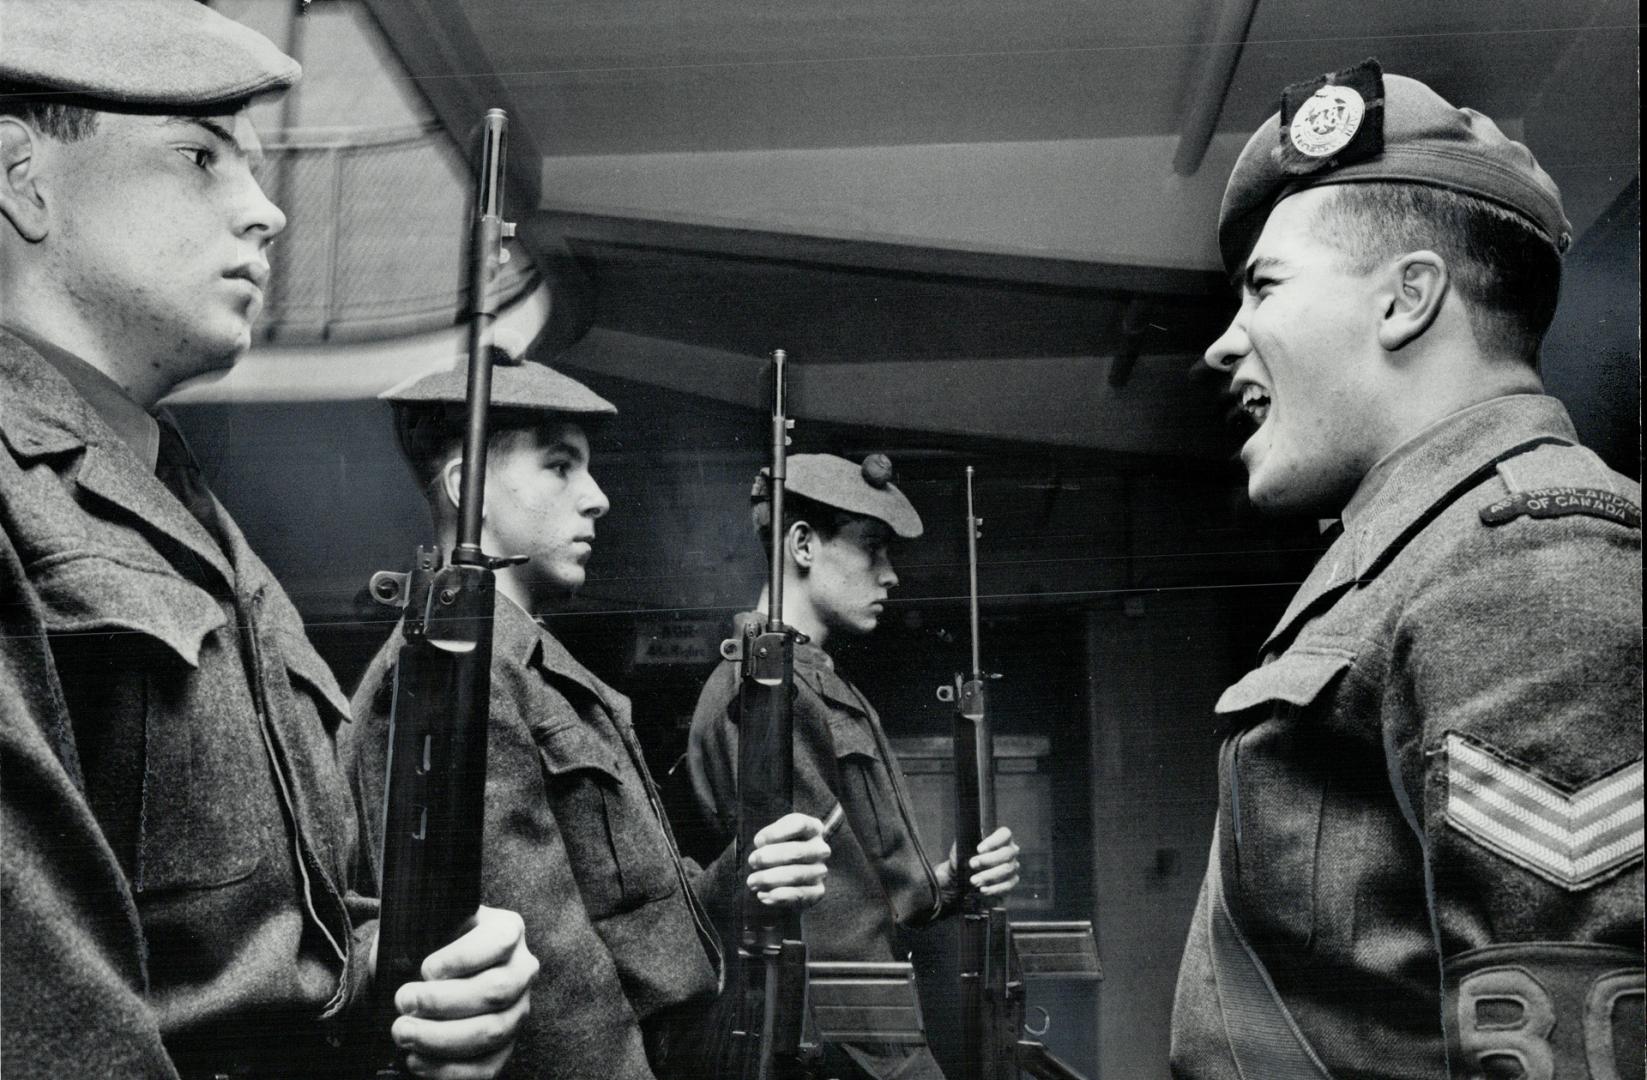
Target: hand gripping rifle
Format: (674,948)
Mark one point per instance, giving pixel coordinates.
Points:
(435,786)
(995,954)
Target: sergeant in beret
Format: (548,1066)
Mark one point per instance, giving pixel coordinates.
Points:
(178,837)
(575,835)
(840,520)
(1428,854)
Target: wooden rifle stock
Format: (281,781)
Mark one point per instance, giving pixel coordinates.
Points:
(435,783)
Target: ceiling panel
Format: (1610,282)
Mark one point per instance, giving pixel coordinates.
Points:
(640,76)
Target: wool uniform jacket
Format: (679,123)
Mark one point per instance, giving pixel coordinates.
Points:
(577,842)
(880,877)
(1430,824)
(177,833)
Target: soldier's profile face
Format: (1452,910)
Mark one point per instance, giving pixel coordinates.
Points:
(159,230)
(851,575)
(1301,352)
(542,502)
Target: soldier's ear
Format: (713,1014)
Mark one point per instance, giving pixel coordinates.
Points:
(1416,288)
(802,543)
(21,201)
(451,485)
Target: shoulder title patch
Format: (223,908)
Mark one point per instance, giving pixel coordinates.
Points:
(1572,839)
(1333,120)
(1561,501)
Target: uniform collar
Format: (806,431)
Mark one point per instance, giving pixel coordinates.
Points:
(807,654)
(1411,480)
(42,414)
(136,428)
(1412,477)
(815,667)
(516,633)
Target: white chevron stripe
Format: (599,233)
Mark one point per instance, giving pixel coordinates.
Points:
(1536,790)
(1466,786)
(1569,869)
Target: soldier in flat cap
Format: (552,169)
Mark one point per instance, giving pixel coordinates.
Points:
(1428,855)
(575,835)
(178,838)
(840,520)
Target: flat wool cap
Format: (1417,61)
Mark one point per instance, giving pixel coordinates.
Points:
(865,489)
(1360,125)
(525,385)
(149,53)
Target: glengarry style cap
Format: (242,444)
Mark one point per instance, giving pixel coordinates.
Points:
(1360,125)
(865,489)
(139,53)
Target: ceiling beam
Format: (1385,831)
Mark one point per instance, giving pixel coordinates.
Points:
(548,231)
(443,57)
(1042,400)
(1217,72)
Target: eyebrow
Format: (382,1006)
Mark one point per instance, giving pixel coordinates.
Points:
(1262,264)
(221,133)
(565,449)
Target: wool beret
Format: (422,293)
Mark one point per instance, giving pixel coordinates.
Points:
(1360,125)
(865,489)
(139,53)
(516,384)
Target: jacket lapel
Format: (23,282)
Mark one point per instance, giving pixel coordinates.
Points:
(1418,486)
(115,475)
(1332,573)
(43,415)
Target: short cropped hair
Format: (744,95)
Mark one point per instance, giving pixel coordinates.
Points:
(825,520)
(1509,272)
(62,121)
(432,435)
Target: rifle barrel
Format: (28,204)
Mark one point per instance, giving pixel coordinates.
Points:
(485,260)
(972,524)
(780,473)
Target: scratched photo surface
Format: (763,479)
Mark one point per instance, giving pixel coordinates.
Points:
(985,238)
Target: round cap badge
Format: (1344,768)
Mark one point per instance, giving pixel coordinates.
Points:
(1327,122)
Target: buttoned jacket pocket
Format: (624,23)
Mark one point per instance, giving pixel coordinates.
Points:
(1276,789)
(866,785)
(169,659)
(86,591)
(1296,677)
(205,769)
(615,847)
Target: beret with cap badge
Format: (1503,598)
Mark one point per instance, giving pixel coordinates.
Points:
(865,489)
(137,53)
(1360,125)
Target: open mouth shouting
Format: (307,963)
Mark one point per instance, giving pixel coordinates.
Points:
(1248,407)
(1255,404)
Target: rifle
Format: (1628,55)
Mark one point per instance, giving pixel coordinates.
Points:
(770,984)
(435,783)
(996,954)
(784,1008)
